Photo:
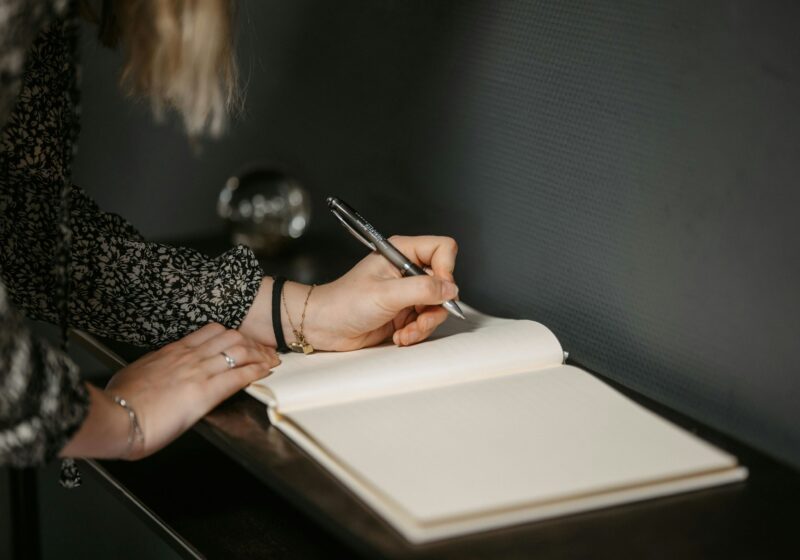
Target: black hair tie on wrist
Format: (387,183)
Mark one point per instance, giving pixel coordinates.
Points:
(277,326)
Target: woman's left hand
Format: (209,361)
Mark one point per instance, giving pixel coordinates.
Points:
(372,301)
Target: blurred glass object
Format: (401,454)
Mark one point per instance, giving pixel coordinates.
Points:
(264,209)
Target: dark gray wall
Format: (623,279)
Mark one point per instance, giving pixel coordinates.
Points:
(624,172)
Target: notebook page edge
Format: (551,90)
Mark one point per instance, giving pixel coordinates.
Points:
(420,531)
(418,534)
(329,377)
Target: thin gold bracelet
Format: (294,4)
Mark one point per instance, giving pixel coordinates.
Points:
(300,344)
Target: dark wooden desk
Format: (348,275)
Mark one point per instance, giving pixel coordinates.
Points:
(235,487)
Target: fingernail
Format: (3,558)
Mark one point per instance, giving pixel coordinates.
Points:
(449,290)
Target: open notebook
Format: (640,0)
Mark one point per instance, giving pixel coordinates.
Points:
(480,426)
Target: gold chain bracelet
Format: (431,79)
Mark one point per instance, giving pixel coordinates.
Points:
(135,433)
(300,344)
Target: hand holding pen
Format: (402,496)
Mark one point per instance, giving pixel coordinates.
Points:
(369,236)
(368,304)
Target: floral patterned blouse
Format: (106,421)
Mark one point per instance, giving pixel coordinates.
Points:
(63,260)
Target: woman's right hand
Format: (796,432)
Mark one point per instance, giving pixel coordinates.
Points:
(170,389)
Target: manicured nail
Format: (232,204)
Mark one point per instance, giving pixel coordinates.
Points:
(449,290)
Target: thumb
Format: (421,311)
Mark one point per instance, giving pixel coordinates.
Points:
(398,293)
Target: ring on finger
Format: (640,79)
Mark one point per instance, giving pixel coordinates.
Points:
(230,361)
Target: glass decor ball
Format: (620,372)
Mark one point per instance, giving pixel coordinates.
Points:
(264,209)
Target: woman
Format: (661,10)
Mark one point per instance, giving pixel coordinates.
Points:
(65,261)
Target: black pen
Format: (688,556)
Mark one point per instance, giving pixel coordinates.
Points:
(369,236)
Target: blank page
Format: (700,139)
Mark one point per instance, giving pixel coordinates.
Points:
(504,442)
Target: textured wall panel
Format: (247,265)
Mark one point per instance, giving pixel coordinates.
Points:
(628,175)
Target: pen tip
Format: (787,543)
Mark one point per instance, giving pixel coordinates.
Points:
(454,309)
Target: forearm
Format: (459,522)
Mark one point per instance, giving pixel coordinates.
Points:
(33,243)
(121,286)
(104,432)
(147,293)
(150,294)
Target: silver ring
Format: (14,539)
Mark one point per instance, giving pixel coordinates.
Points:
(231,362)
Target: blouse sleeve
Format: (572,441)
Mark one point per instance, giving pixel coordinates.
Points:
(42,400)
(121,286)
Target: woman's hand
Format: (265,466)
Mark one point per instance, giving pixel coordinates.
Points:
(373,301)
(370,303)
(170,389)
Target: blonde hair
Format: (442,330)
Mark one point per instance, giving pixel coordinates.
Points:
(178,53)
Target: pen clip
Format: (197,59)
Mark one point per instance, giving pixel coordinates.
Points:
(356,234)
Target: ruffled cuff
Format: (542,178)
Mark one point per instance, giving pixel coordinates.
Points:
(236,285)
(51,418)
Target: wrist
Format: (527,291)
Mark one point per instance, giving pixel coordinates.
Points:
(258,324)
(135,444)
(295,299)
(104,432)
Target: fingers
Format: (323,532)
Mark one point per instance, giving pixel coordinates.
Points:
(396,293)
(437,255)
(437,251)
(422,327)
(404,317)
(227,339)
(377,336)
(208,342)
(221,386)
(242,355)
